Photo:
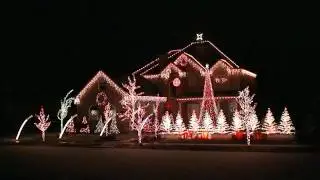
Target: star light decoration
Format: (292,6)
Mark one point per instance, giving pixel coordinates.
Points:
(199,37)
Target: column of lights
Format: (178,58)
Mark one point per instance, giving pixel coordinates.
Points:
(89,85)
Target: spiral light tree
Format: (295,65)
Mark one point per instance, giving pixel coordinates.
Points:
(63,111)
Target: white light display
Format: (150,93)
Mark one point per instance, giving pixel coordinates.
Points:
(193,122)
(21,127)
(166,123)
(63,111)
(237,124)
(199,37)
(269,126)
(179,125)
(286,126)
(222,126)
(247,109)
(207,124)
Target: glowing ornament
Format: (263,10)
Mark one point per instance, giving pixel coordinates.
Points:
(199,37)
(43,123)
(77,101)
(286,126)
(176,82)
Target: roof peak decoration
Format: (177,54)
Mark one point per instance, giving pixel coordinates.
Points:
(199,37)
(199,40)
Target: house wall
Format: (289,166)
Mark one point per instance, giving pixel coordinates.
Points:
(89,101)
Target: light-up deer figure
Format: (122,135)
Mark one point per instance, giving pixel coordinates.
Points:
(43,123)
(63,111)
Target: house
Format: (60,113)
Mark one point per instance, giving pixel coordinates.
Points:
(178,77)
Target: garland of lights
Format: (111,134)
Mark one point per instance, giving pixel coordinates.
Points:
(91,83)
(101,99)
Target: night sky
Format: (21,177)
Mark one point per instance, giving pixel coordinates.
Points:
(52,47)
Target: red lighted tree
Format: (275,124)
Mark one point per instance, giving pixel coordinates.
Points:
(208,101)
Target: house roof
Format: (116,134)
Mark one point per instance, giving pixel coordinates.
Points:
(98,76)
(156,66)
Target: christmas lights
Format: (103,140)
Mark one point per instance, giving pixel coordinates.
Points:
(99,126)
(199,37)
(66,125)
(222,126)
(128,102)
(208,102)
(176,82)
(100,75)
(193,122)
(141,120)
(63,111)
(247,108)
(43,123)
(21,127)
(237,124)
(85,130)
(166,123)
(156,120)
(165,73)
(108,115)
(254,122)
(113,127)
(179,125)
(101,99)
(269,126)
(201,98)
(207,124)
(70,127)
(286,126)
(189,59)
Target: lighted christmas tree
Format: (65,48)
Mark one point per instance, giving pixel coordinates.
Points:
(269,126)
(247,109)
(193,123)
(179,125)
(166,123)
(70,127)
(208,102)
(222,126)
(254,122)
(86,129)
(207,124)
(237,124)
(43,123)
(99,126)
(113,127)
(286,126)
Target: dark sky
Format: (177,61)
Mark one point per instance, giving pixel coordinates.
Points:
(52,47)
